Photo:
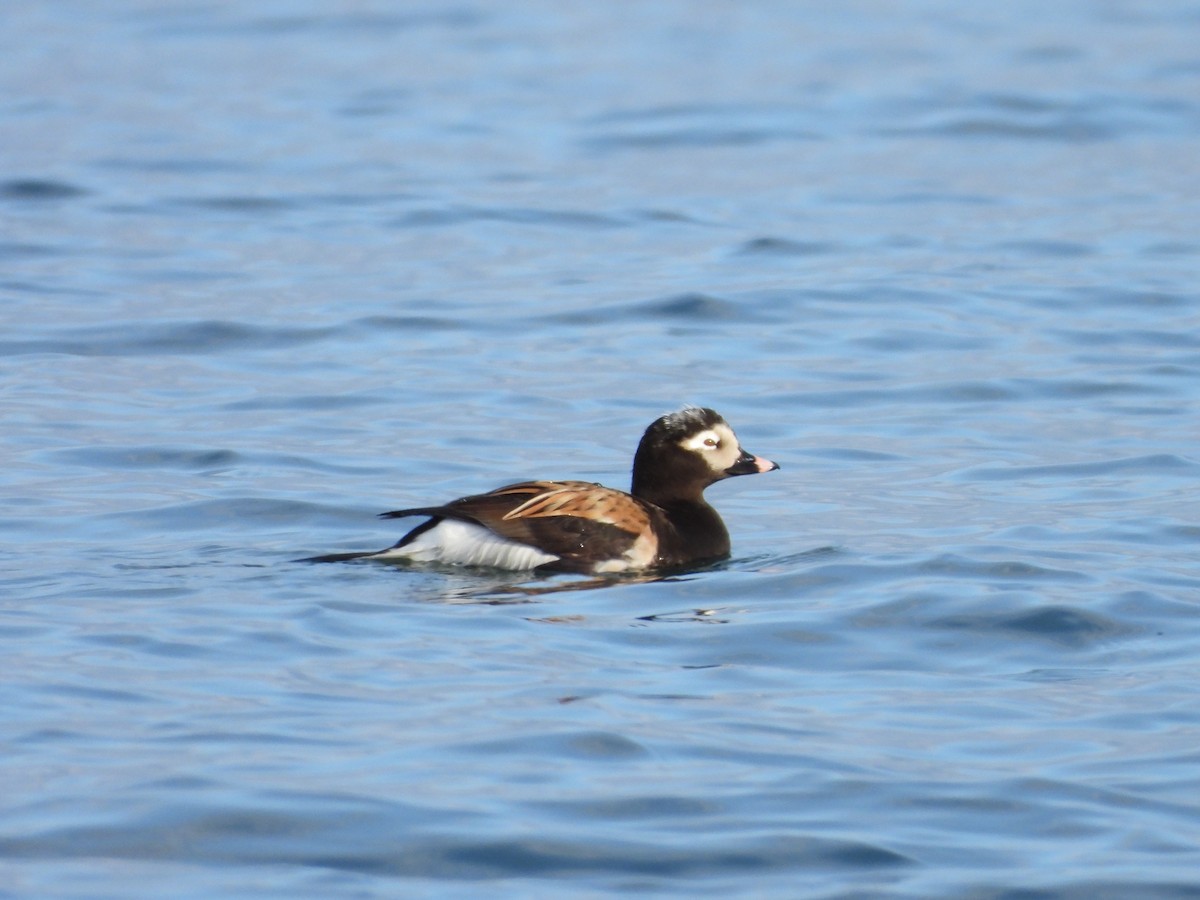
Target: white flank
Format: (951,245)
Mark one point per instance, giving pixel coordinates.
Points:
(639,556)
(459,543)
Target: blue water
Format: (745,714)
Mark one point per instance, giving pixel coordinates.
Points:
(268,269)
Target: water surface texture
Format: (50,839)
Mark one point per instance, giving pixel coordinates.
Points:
(267,269)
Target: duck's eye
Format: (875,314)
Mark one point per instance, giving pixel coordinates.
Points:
(704,441)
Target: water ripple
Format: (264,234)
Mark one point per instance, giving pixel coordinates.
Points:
(384,843)
(39,190)
(548,218)
(163,338)
(1071,627)
(197,460)
(1154,464)
(1032,116)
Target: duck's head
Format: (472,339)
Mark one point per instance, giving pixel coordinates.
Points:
(684,452)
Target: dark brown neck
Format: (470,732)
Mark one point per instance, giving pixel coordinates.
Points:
(696,531)
(665,495)
(684,487)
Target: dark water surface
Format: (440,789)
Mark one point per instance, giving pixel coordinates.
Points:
(268,269)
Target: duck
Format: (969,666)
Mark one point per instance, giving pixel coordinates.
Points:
(662,523)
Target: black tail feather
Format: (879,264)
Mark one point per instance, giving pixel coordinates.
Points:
(418,511)
(435,512)
(336,557)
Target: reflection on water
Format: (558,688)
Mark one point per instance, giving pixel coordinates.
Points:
(486,589)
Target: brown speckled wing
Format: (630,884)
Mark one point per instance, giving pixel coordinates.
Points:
(585,500)
(581,522)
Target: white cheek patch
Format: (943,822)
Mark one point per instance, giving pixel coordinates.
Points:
(700,442)
(719,457)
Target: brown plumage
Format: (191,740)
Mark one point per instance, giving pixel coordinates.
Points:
(578,526)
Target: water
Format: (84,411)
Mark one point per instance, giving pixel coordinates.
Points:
(270,269)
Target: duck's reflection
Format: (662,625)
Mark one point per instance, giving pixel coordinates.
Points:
(497,592)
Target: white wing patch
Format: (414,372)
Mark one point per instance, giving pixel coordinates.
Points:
(459,543)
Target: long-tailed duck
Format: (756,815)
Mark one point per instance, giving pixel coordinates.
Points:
(663,522)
